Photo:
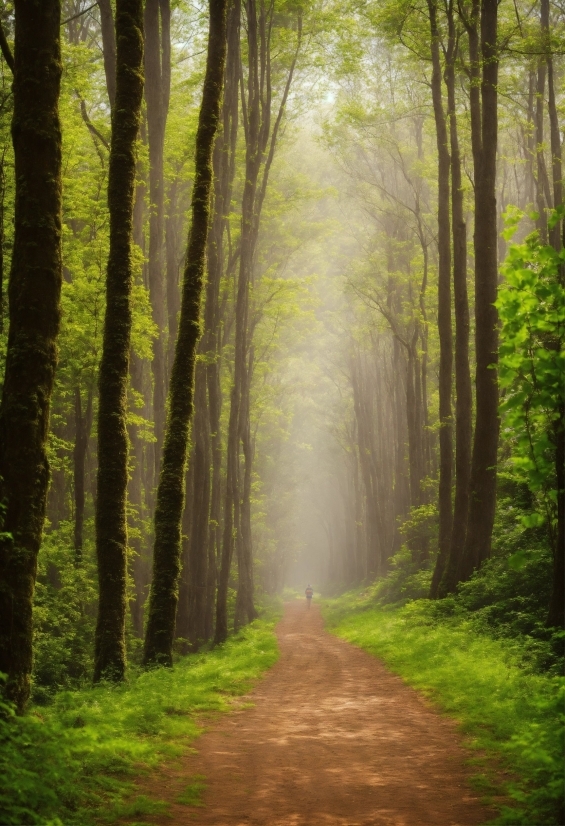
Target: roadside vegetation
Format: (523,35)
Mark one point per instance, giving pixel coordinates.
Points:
(76,760)
(483,656)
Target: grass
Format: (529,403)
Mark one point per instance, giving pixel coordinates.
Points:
(512,717)
(75,761)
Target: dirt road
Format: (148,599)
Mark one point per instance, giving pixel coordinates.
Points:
(332,738)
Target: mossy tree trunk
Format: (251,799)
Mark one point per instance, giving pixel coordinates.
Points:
(34,317)
(170,492)
(111,521)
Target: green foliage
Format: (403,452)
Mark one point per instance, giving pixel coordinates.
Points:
(506,712)
(64,615)
(531,305)
(75,761)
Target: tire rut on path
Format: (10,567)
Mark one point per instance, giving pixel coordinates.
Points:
(332,738)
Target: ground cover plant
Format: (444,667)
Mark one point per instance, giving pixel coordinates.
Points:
(508,708)
(75,760)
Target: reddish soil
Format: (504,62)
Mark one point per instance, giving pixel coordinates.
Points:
(332,738)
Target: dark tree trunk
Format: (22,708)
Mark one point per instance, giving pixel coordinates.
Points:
(108,48)
(464,393)
(485,445)
(157,88)
(224,169)
(444,308)
(34,306)
(170,493)
(111,520)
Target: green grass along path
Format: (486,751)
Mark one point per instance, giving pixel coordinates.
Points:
(84,758)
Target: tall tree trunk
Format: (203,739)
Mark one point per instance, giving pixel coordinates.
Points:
(170,493)
(157,88)
(111,519)
(485,445)
(34,315)
(224,169)
(446,581)
(444,307)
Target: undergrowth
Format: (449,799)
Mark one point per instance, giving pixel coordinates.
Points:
(507,707)
(75,760)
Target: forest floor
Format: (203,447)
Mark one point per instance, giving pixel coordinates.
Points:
(329,736)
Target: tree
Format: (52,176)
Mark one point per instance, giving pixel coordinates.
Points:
(444,303)
(111,517)
(532,377)
(483,52)
(34,317)
(170,493)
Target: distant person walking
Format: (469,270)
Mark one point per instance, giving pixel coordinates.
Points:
(309,594)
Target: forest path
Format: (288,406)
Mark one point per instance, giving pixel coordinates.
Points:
(332,738)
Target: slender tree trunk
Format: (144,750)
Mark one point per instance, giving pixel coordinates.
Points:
(157,71)
(447,579)
(111,519)
(444,308)
(34,314)
(224,167)
(485,445)
(170,493)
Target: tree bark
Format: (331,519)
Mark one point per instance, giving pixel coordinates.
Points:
(170,493)
(34,315)
(157,90)
(111,520)
(485,445)
(447,579)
